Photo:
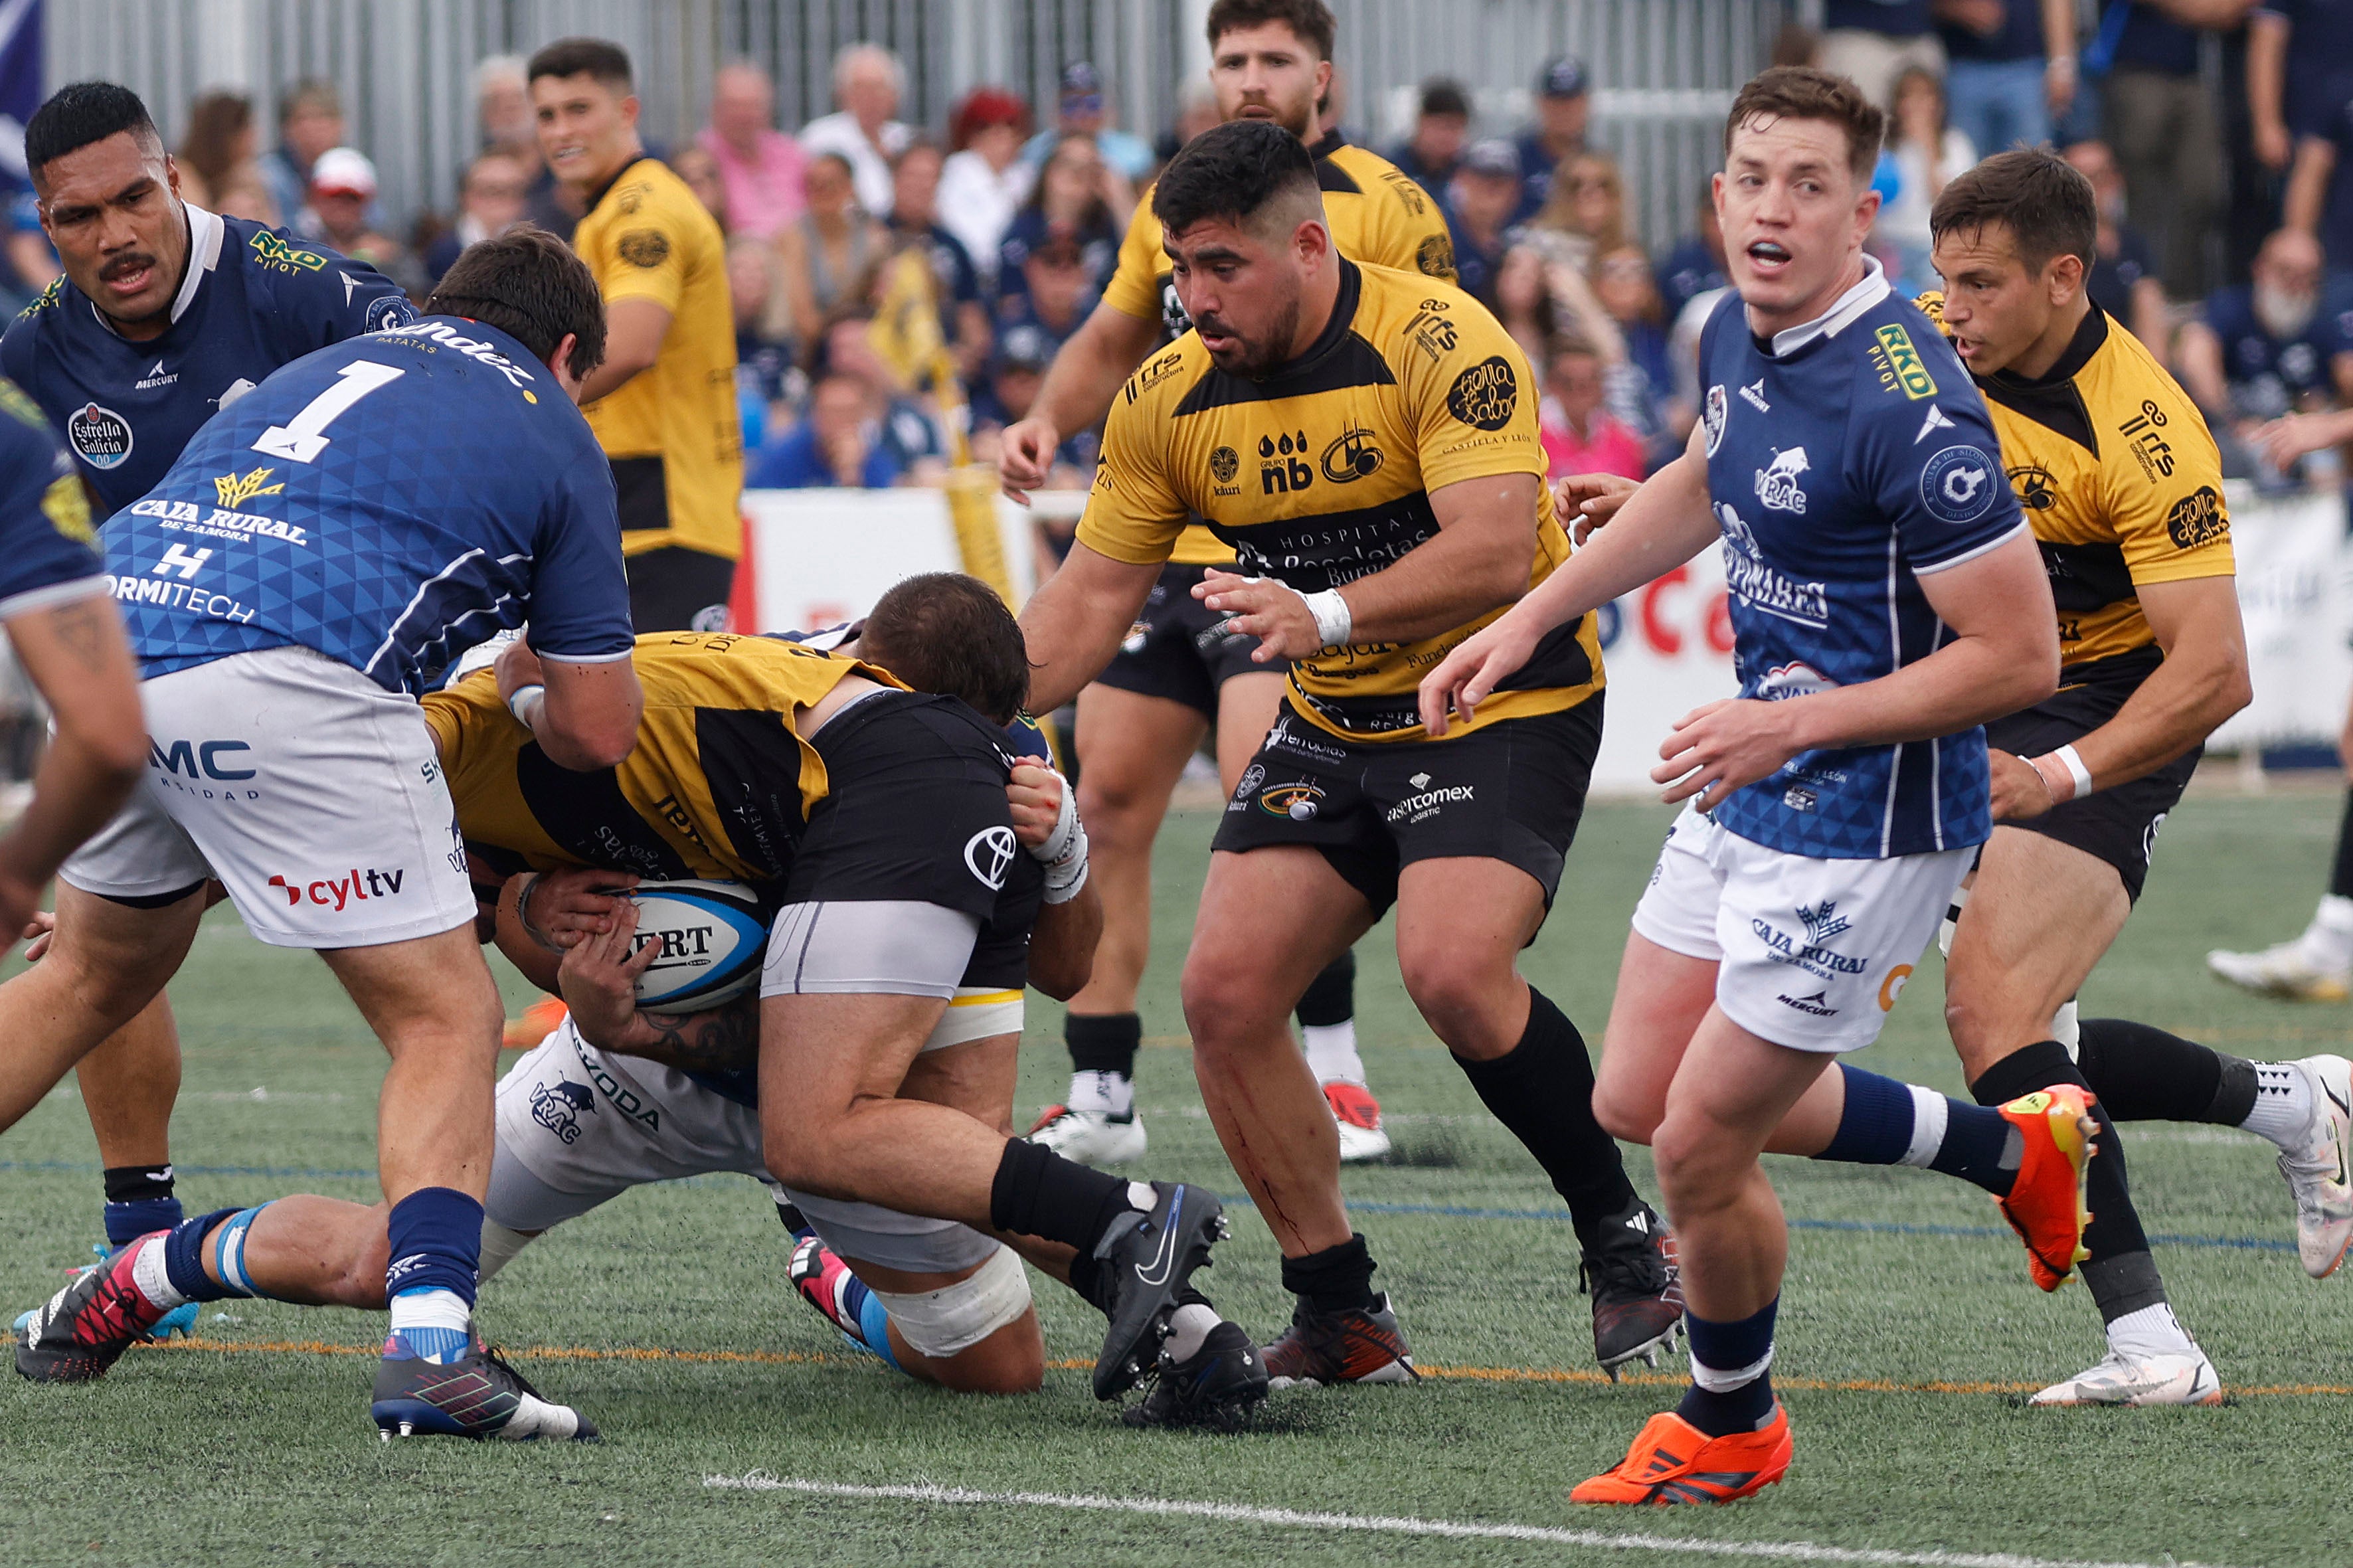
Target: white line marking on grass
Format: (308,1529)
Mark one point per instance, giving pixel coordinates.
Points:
(1236,1513)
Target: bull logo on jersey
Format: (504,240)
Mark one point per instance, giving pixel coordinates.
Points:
(101,436)
(1957,485)
(2036,491)
(236,489)
(1296,801)
(1776,481)
(2198,519)
(1225,463)
(1351,458)
(558,1107)
(1486,396)
(1717,408)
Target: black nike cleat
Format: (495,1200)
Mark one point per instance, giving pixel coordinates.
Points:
(478,1396)
(1636,1288)
(84,1329)
(1147,1261)
(1218,1386)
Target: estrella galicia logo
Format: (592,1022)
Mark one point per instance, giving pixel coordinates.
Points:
(1224,464)
(1486,396)
(2036,491)
(1351,458)
(101,436)
(391,311)
(1247,785)
(988,855)
(1956,486)
(558,1107)
(1717,409)
(1295,801)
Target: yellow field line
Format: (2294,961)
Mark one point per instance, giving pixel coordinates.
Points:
(1451,1373)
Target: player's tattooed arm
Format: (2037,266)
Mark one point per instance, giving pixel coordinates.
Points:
(598,978)
(725,1040)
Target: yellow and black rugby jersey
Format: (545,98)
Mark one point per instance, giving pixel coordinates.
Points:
(1321,474)
(718,785)
(2121,483)
(1377,215)
(673,432)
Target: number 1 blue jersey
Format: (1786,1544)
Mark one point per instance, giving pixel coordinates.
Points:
(1847,460)
(389,501)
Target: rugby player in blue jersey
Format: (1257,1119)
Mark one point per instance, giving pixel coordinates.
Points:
(1886,601)
(433,484)
(165,312)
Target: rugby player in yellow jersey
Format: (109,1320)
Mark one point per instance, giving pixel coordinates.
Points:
(1181,668)
(663,405)
(1365,439)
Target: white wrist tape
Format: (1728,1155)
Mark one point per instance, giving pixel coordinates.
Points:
(2075,768)
(1064,852)
(526,703)
(1333,622)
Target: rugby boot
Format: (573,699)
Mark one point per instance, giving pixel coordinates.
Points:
(1632,1275)
(2291,970)
(1320,1349)
(1357,1115)
(1093,1138)
(818,1278)
(1673,1461)
(84,1329)
(2045,1205)
(181,1320)
(539,1020)
(1218,1386)
(478,1396)
(1148,1258)
(2320,1174)
(2124,1378)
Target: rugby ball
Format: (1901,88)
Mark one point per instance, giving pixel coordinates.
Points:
(712,937)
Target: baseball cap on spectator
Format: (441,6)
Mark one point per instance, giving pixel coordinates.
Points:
(1083,88)
(1563,78)
(1443,96)
(344,171)
(1025,347)
(1494,157)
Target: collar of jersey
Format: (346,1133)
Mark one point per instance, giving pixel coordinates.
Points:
(1343,317)
(607,188)
(2090,334)
(1845,309)
(1330,142)
(206,232)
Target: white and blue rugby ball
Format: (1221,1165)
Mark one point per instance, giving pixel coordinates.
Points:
(714,937)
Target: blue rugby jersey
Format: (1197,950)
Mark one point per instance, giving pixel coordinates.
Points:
(254,298)
(46,545)
(389,501)
(1845,460)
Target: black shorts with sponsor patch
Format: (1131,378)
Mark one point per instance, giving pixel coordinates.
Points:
(675,589)
(1513,791)
(915,810)
(1179,649)
(2117,824)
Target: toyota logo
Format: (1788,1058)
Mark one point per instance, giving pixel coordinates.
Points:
(988,854)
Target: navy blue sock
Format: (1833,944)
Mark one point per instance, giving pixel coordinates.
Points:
(1875,1128)
(1881,1125)
(436,1243)
(139,1202)
(184,1253)
(1733,1357)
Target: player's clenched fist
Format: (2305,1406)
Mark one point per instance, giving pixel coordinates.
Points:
(1479,663)
(1025,455)
(2020,790)
(1585,501)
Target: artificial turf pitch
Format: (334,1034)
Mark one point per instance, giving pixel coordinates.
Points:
(1909,1331)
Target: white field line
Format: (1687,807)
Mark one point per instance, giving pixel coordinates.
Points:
(1236,1513)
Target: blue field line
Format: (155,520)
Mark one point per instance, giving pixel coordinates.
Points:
(84,1167)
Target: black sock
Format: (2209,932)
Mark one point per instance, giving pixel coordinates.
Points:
(1331,996)
(1336,1279)
(1103,1042)
(1543,1090)
(2143,1074)
(2118,1282)
(1038,1193)
(2340,879)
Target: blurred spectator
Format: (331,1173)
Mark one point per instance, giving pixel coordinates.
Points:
(1038,322)
(2299,72)
(1587,205)
(2010,68)
(1564,114)
(955,280)
(1481,200)
(1874,41)
(509,125)
(760,166)
(1431,155)
(32,261)
(1078,197)
(1579,435)
(983,179)
(1927,152)
(2320,194)
(2267,349)
(343,186)
(1696,263)
(1084,109)
(764,371)
(1524,302)
(1622,282)
(1015,374)
(218,149)
(836,443)
(694,165)
(2160,120)
(491,198)
(1197,110)
(829,252)
(2123,280)
(863,130)
(907,430)
(310,120)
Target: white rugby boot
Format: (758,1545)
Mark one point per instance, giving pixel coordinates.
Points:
(1090,1137)
(1357,1115)
(2320,1173)
(2299,969)
(2123,1377)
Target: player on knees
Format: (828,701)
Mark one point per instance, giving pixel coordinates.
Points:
(291,645)
(1360,575)
(1887,599)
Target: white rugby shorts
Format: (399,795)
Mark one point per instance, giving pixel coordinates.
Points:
(1810,954)
(577,1127)
(310,792)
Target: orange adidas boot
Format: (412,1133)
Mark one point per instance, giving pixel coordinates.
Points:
(2045,1205)
(1673,1461)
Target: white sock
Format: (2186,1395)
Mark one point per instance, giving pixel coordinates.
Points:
(1928,1121)
(2284,1107)
(2152,1331)
(155,1281)
(1112,1093)
(2328,939)
(429,1309)
(1187,1328)
(1332,1052)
